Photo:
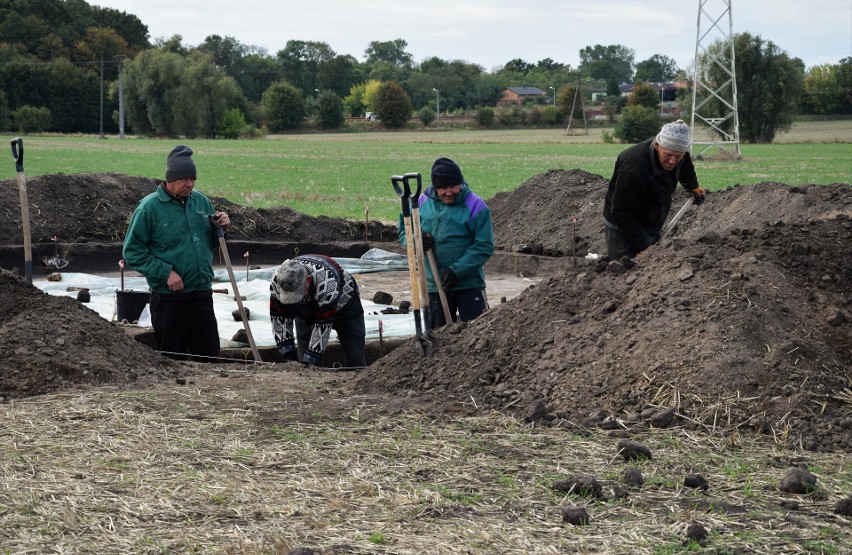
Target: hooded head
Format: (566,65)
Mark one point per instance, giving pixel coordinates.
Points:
(179,164)
(288,283)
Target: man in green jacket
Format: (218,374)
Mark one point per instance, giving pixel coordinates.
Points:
(456,225)
(171,242)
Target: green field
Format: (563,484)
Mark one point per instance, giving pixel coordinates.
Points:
(342,174)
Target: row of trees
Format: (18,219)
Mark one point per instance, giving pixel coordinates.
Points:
(56,56)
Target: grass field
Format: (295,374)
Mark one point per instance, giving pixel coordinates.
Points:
(342,174)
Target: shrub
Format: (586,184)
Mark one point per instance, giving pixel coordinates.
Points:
(484,116)
(392,104)
(284,105)
(509,117)
(644,95)
(550,115)
(231,124)
(637,123)
(31,119)
(250,131)
(426,115)
(330,110)
(533,115)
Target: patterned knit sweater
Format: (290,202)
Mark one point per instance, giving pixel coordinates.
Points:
(331,289)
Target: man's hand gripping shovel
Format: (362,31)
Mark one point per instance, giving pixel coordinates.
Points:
(403,190)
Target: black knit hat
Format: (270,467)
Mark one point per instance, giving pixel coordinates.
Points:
(179,164)
(445,173)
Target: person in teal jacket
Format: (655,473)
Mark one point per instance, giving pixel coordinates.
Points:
(456,226)
(170,241)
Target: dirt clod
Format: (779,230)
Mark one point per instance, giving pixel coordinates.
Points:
(632,450)
(572,514)
(799,480)
(696,481)
(844,507)
(697,533)
(580,484)
(633,477)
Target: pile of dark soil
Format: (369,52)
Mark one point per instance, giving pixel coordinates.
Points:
(742,321)
(81,208)
(556,213)
(49,343)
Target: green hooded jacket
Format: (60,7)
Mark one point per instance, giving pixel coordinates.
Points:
(464,236)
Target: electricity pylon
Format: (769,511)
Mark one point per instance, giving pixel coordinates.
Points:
(715,129)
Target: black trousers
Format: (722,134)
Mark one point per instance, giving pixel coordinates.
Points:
(465,305)
(617,246)
(185,324)
(350,328)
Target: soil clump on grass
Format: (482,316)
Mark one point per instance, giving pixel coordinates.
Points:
(740,321)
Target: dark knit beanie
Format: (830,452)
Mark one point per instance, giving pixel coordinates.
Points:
(445,173)
(179,164)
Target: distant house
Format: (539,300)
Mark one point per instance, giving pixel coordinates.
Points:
(667,91)
(518,95)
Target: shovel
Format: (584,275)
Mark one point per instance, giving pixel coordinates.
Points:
(223,248)
(419,259)
(677,217)
(401,186)
(18,155)
(418,234)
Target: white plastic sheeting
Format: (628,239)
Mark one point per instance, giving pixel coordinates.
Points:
(253,286)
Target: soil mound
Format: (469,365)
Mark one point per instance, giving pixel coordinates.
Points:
(49,343)
(742,321)
(555,213)
(89,207)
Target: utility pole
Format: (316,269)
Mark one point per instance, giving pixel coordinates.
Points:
(718,122)
(437,106)
(102,97)
(120,100)
(578,93)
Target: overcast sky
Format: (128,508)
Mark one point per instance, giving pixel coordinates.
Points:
(492,32)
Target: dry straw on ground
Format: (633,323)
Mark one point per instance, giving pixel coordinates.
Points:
(265,462)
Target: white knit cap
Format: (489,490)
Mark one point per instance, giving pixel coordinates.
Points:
(674,136)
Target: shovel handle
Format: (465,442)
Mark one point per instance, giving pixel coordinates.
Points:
(18,153)
(415,202)
(400,185)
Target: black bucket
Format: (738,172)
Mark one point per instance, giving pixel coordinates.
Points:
(129,304)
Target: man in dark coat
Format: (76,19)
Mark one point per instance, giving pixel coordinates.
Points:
(640,191)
